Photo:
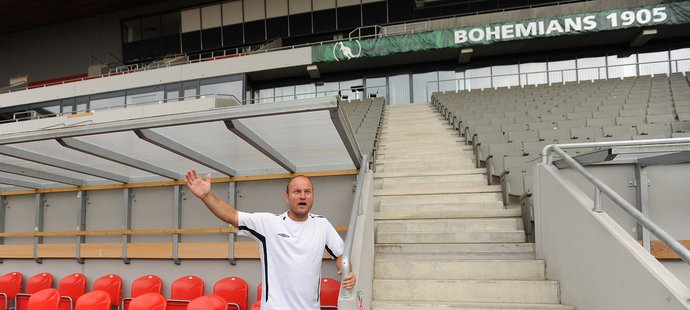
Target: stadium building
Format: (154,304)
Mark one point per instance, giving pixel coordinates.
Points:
(483,154)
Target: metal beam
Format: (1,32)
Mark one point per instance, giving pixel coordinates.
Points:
(127,222)
(59,163)
(260,144)
(98,151)
(643,37)
(3,207)
(342,125)
(20,183)
(171,145)
(81,223)
(465,55)
(259,110)
(177,223)
(38,221)
(40,175)
(587,159)
(665,159)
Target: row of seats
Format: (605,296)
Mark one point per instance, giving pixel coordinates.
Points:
(50,299)
(509,127)
(365,118)
(72,292)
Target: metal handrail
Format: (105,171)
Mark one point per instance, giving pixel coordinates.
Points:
(345,263)
(602,188)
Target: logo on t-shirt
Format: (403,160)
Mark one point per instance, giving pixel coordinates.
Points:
(283,235)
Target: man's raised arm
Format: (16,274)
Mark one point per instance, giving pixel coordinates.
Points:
(201,188)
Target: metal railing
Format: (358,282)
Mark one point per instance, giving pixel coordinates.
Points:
(346,263)
(548,77)
(602,189)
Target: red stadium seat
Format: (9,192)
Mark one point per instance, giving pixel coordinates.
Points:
(95,300)
(184,290)
(111,284)
(234,290)
(330,289)
(208,302)
(71,288)
(47,299)
(142,285)
(10,286)
(34,284)
(148,301)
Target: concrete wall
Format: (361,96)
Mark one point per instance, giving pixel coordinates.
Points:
(152,209)
(598,264)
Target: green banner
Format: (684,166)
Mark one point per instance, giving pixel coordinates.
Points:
(660,14)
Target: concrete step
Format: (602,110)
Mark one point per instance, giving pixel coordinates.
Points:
(445,198)
(431,184)
(458,165)
(502,291)
(459,269)
(434,305)
(489,213)
(455,251)
(447,157)
(494,236)
(446,225)
(440,208)
(435,179)
(381,175)
(437,191)
(407,151)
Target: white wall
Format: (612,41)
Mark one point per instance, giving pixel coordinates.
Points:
(598,264)
(152,209)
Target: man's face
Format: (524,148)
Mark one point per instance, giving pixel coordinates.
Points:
(300,197)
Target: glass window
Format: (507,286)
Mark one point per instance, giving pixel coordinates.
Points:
(653,63)
(376,86)
(590,68)
(423,85)
(145,95)
(462,81)
(399,89)
(681,60)
(284,93)
(478,78)
(105,101)
(46,109)
(266,95)
(233,88)
(305,91)
(619,67)
(328,89)
(190,89)
(132,30)
(447,81)
(170,23)
(533,73)
(151,27)
(562,71)
(505,76)
(346,88)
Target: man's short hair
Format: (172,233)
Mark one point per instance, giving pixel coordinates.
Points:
(287,187)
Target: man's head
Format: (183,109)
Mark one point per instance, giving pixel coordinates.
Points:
(299,195)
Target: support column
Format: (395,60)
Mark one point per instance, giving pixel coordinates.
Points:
(232,199)
(81,223)
(177,222)
(38,224)
(127,222)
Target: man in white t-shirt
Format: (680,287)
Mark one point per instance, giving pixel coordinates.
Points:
(291,244)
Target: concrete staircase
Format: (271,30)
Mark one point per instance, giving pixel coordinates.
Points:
(444,240)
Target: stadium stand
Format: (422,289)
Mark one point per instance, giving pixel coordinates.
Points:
(647,110)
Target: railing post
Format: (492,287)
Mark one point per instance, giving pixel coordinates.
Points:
(642,193)
(598,200)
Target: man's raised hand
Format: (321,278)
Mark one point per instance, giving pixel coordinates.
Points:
(199,187)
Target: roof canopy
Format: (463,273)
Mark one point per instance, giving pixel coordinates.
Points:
(297,136)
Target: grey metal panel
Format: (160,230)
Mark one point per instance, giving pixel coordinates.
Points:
(665,159)
(8,181)
(341,124)
(59,163)
(40,175)
(260,144)
(179,149)
(94,150)
(247,111)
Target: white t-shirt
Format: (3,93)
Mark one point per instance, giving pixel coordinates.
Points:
(291,254)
